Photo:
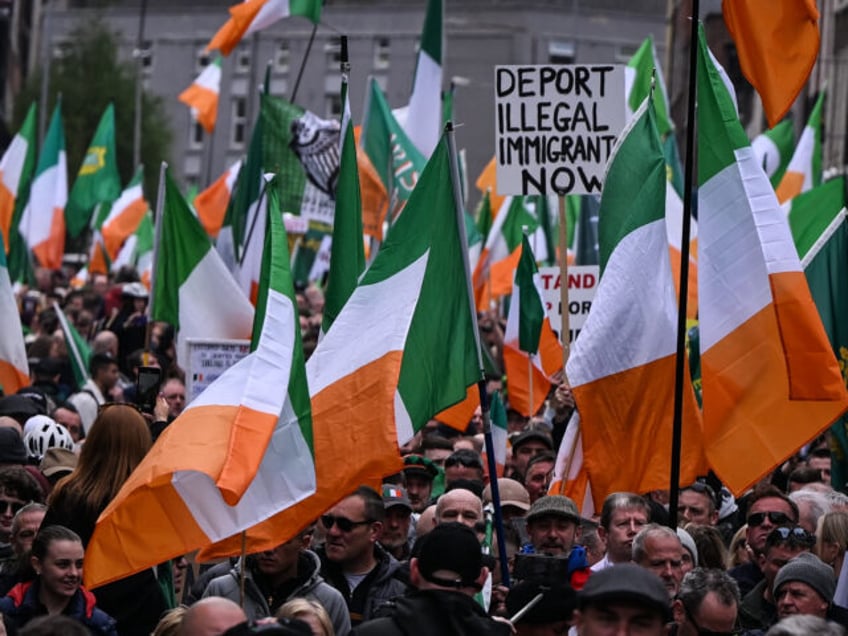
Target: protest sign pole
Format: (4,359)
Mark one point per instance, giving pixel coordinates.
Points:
(681,367)
(481,383)
(565,327)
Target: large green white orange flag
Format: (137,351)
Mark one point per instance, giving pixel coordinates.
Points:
(423,122)
(401,350)
(530,345)
(138,250)
(97,181)
(194,291)
(202,95)
(43,221)
(254,15)
(804,171)
(819,223)
(240,453)
(347,252)
(773,149)
(121,222)
(626,349)
(14,369)
(16,170)
(770,380)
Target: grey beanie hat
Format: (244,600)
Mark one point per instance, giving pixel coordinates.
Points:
(808,568)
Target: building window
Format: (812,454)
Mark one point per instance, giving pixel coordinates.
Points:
(381,54)
(243,60)
(238,122)
(195,136)
(561,52)
(333,107)
(146,56)
(283,58)
(333,51)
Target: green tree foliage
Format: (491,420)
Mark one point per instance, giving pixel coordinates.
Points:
(89,75)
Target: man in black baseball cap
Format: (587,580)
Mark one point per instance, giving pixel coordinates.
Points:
(622,598)
(447,570)
(418,475)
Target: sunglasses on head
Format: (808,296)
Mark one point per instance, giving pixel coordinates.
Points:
(795,535)
(777,518)
(344,524)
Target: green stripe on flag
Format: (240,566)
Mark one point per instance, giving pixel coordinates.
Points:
(183,244)
(626,189)
(813,211)
(309,9)
(431,34)
(643,62)
(715,111)
(531,312)
(347,253)
(276,275)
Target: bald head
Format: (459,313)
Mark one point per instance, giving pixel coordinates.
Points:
(11,422)
(211,616)
(459,505)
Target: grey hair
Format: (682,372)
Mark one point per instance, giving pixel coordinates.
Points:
(651,530)
(837,499)
(817,502)
(32,506)
(701,581)
(619,500)
(804,624)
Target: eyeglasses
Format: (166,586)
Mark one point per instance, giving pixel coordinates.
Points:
(706,632)
(14,506)
(344,524)
(777,518)
(794,535)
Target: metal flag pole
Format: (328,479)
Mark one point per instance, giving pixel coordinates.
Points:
(680,365)
(481,384)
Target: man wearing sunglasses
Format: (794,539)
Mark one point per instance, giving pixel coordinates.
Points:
(758,609)
(17,488)
(707,604)
(352,560)
(768,508)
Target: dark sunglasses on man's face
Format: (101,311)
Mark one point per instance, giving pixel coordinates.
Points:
(14,506)
(777,518)
(344,524)
(468,462)
(795,535)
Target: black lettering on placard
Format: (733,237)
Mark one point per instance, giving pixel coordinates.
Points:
(556,125)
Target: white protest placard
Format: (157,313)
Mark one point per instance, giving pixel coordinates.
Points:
(207,359)
(582,285)
(556,125)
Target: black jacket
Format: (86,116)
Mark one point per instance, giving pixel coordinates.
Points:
(434,613)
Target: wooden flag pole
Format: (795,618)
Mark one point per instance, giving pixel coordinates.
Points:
(565,327)
(680,367)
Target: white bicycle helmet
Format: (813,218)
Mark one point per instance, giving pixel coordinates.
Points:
(44,434)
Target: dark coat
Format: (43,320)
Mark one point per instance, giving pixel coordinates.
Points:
(21,605)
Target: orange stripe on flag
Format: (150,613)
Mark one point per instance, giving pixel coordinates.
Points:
(757,418)
(50,251)
(790,186)
(614,408)
(459,415)
(365,428)
(122,226)
(11,378)
(7,210)
(233,30)
(501,273)
(488,181)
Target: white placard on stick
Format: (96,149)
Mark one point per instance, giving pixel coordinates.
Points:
(208,358)
(582,285)
(555,126)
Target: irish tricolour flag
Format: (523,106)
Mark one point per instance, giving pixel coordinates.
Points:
(423,121)
(401,350)
(626,349)
(241,452)
(121,222)
(770,380)
(14,369)
(530,345)
(15,172)
(193,289)
(43,221)
(202,95)
(254,15)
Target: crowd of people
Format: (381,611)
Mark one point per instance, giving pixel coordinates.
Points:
(418,556)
